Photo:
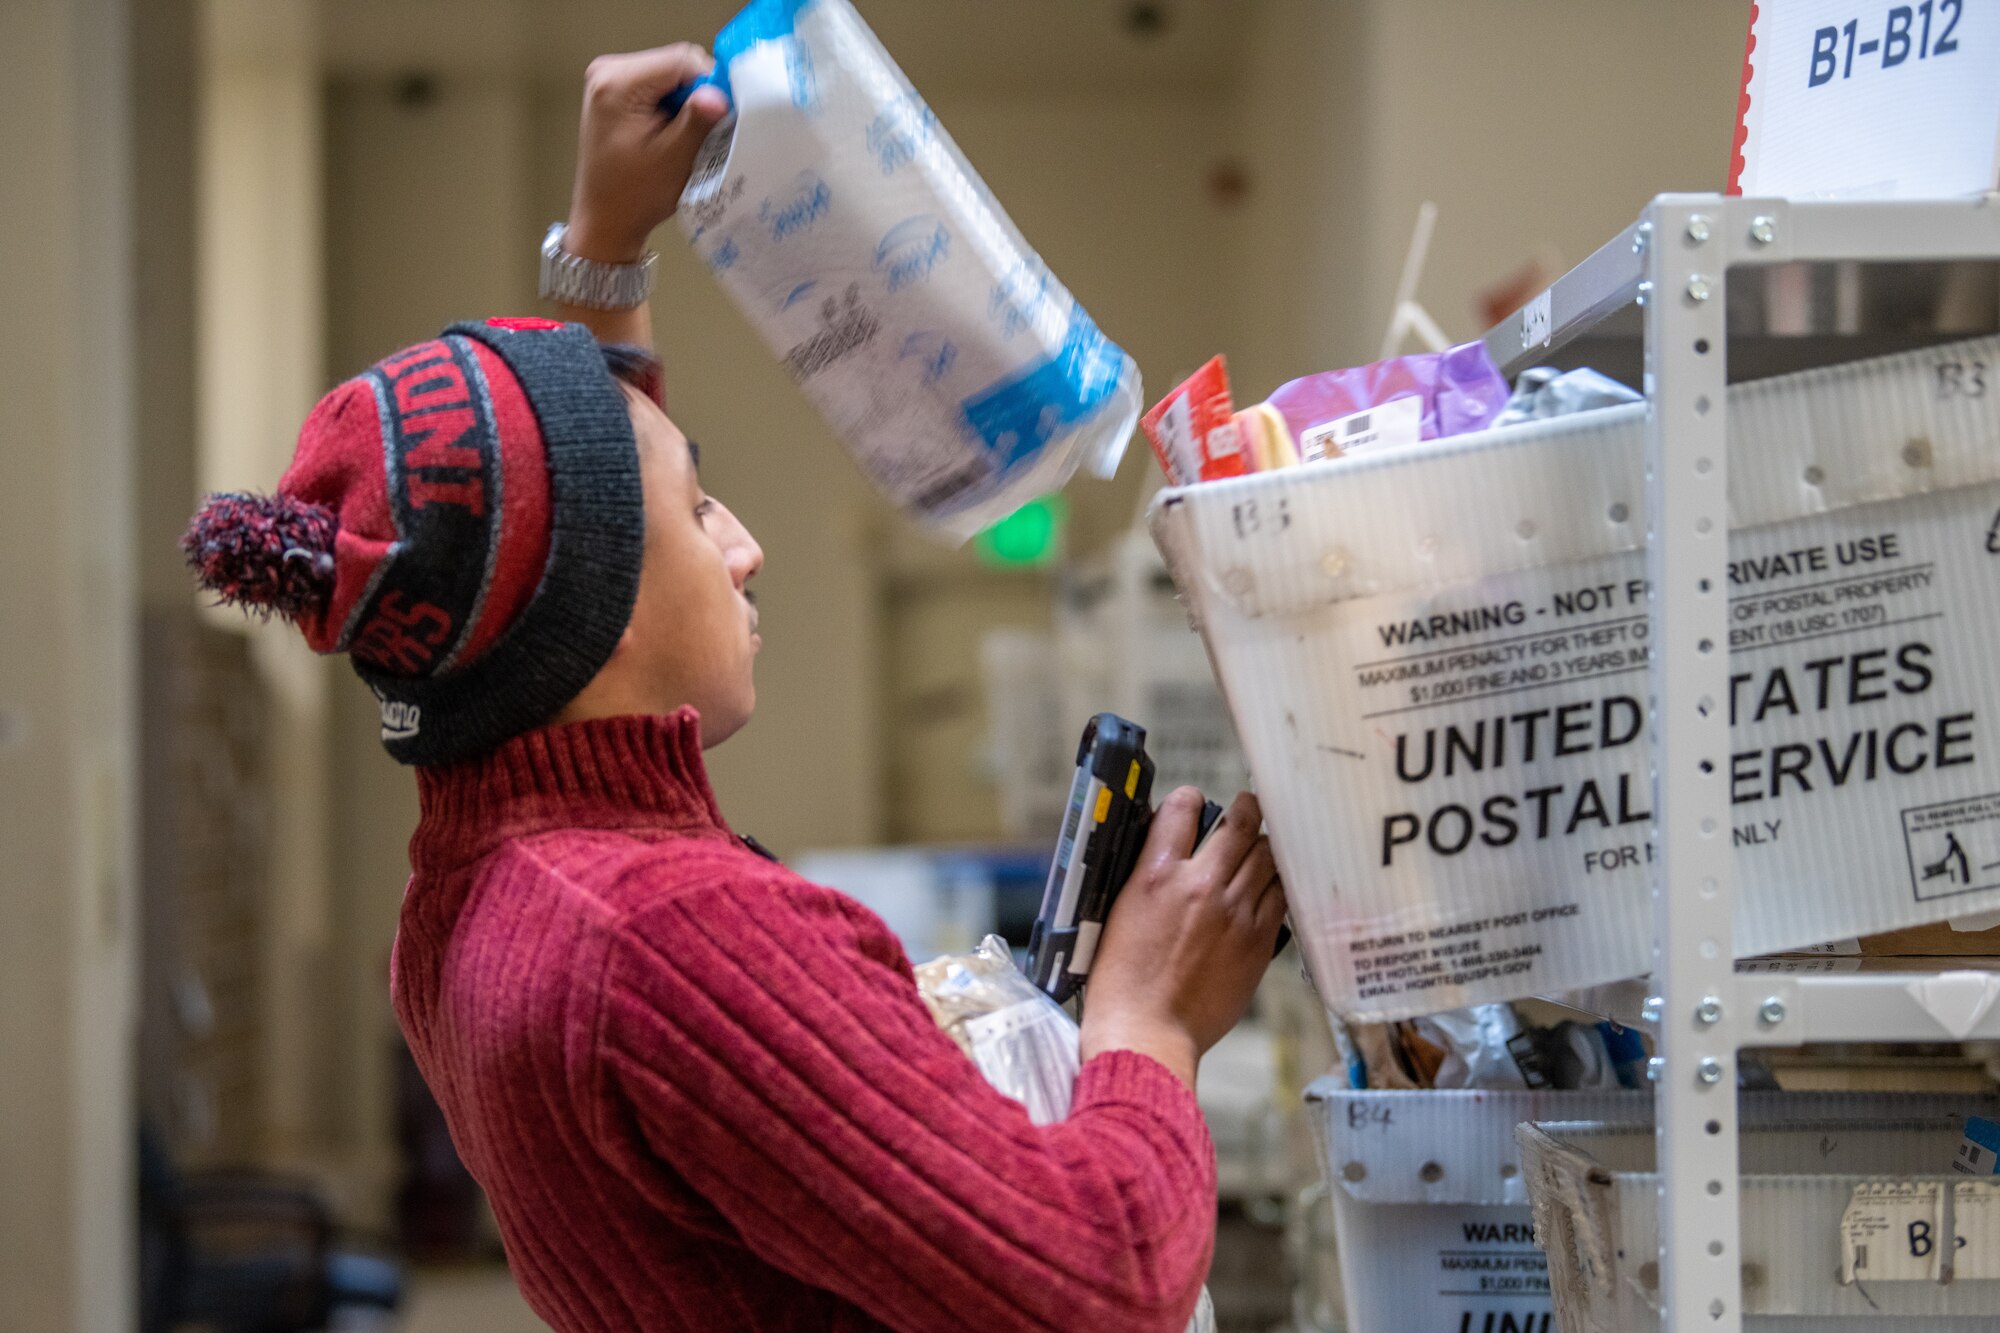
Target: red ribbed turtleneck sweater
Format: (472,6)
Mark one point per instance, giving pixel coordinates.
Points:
(703,1094)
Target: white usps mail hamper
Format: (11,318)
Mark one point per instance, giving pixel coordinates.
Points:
(1430,1209)
(1851,1218)
(1436,660)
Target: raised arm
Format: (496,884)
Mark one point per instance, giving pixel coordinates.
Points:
(631,164)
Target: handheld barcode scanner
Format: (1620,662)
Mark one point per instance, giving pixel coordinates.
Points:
(1104,826)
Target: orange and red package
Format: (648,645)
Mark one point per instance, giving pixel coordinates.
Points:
(1193,429)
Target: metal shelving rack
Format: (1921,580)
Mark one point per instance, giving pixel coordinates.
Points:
(1675,263)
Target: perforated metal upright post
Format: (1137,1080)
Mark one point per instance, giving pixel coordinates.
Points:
(1676,262)
(1694,907)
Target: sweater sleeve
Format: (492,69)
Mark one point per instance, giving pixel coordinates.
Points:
(769,1044)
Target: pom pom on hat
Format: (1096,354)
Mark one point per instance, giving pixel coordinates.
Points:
(264,553)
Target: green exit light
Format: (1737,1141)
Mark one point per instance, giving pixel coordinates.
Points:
(1030,536)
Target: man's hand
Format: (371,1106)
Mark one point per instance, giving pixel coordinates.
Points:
(1189,938)
(632,162)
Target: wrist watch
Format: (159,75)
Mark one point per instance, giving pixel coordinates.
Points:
(570,280)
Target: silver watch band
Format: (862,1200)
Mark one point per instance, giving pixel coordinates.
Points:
(569,280)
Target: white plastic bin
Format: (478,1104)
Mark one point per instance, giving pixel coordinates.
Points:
(1826,1176)
(1436,662)
(1430,1209)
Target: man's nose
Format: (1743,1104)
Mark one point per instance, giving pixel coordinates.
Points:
(740,550)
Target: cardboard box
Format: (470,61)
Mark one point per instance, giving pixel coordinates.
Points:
(1436,660)
(1936,940)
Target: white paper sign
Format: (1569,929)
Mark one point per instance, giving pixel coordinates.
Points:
(1537,320)
(1864,99)
(1890,1232)
(1976,1235)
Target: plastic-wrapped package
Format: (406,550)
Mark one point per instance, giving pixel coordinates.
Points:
(1474,1042)
(872,260)
(1193,429)
(1023,1042)
(1382,1058)
(1460,1048)
(1542,392)
(1424,396)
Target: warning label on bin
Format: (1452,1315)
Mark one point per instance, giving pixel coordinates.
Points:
(1954,846)
(1445,1269)
(1506,1270)
(1481,755)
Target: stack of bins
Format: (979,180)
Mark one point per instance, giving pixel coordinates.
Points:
(1430,1205)
(1851,1218)
(1436,660)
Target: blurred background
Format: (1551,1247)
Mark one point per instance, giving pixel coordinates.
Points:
(216,209)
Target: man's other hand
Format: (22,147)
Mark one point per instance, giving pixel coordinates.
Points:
(632,160)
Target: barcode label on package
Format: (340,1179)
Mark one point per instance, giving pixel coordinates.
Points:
(1890,1232)
(1979,1151)
(1398,422)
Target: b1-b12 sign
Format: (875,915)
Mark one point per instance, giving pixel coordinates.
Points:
(1866,99)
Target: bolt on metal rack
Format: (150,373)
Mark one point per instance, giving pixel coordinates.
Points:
(1675,262)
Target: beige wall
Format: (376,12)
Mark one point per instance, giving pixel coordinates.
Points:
(1533,123)
(1300,116)
(1537,127)
(68,612)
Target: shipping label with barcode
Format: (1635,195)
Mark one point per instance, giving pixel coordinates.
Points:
(1398,422)
(1979,1150)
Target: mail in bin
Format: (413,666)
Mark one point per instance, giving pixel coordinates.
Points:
(1436,658)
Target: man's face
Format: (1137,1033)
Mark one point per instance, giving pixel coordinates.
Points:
(693,632)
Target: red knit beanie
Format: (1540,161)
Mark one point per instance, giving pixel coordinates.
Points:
(463,520)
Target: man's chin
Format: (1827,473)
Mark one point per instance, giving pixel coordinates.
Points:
(712,736)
